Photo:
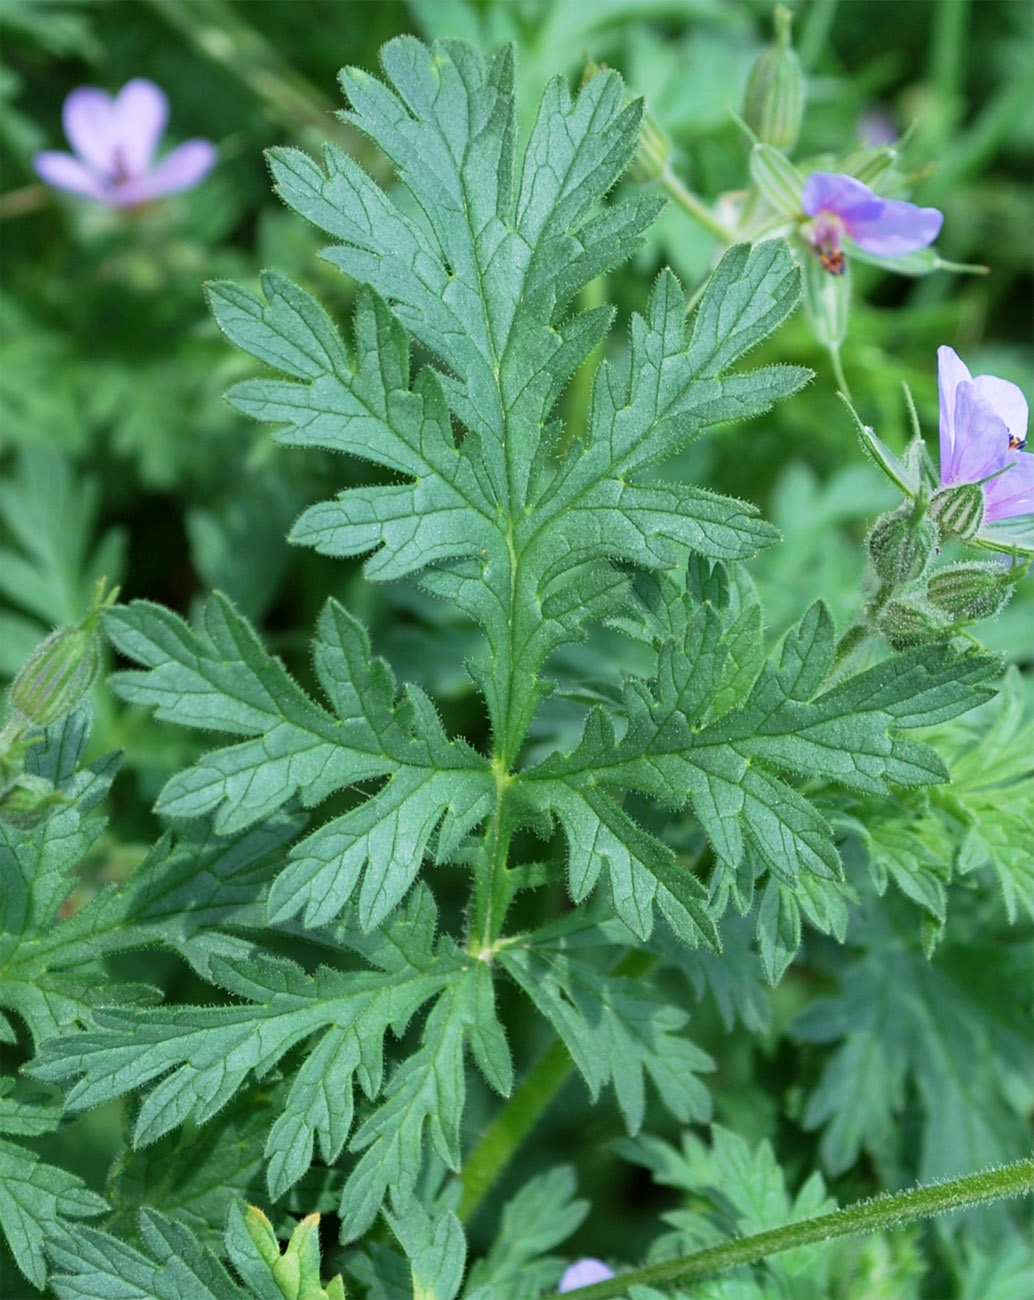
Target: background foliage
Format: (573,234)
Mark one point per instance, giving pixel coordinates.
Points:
(845,1043)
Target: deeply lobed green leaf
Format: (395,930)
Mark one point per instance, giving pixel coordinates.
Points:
(718,727)
(481,268)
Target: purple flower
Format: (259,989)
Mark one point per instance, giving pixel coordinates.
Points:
(841,207)
(876,127)
(983,436)
(115,141)
(585,1272)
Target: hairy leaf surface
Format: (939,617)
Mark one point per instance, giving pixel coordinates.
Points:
(722,729)
(481,266)
(36,1198)
(222,677)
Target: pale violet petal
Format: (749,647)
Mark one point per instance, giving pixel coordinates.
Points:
(89,126)
(877,126)
(181,169)
(66,172)
(1007,400)
(834,192)
(898,228)
(585,1272)
(981,438)
(1012,493)
(140,112)
(951,371)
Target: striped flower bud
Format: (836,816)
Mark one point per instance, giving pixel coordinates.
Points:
(958,511)
(25,800)
(774,102)
(908,623)
(900,545)
(651,155)
(871,166)
(972,591)
(57,676)
(777,180)
(60,671)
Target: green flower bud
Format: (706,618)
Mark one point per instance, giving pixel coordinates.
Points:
(58,675)
(651,156)
(958,511)
(900,545)
(60,671)
(25,800)
(972,591)
(912,622)
(774,102)
(871,166)
(777,180)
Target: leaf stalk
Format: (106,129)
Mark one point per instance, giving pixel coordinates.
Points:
(491,887)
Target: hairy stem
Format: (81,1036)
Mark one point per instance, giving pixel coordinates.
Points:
(889,1211)
(814,37)
(524,1109)
(838,370)
(491,888)
(698,210)
(511,1126)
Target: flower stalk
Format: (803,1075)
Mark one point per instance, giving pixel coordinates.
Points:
(890,1211)
(696,208)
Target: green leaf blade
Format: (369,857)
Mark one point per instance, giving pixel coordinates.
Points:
(35,1199)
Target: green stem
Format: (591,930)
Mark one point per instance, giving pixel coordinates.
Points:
(890,1211)
(491,887)
(578,399)
(815,29)
(511,1126)
(697,209)
(838,370)
(947,42)
(221,35)
(528,1103)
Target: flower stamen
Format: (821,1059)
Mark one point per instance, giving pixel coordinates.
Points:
(842,207)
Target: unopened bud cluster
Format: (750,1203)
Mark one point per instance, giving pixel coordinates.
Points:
(971,591)
(912,605)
